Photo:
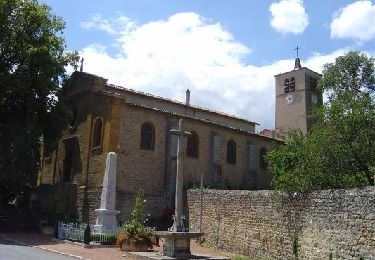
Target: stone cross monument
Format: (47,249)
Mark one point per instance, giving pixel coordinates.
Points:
(178,224)
(107,213)
(177,239)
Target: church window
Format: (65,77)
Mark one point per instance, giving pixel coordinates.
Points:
(286,86)
(231,152)
(147,136)
(74,118)
(289,85)
(192,145)
(98,132)
(292,84)
(262,161)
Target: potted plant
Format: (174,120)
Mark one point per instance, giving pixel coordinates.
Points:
(133,235)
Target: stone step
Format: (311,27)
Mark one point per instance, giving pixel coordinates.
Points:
(159,256)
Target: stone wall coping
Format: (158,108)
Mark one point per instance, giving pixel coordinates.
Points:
(350,192)
(166,234)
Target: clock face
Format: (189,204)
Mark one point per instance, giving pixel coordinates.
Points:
(289,99)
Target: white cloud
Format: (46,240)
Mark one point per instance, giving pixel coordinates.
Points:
(317,60)
(289,16)
(166,57)
(356,21)
(115,26)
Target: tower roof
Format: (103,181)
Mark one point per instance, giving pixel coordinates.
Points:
(295,70)
(297,64)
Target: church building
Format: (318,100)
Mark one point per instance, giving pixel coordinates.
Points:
(136,126)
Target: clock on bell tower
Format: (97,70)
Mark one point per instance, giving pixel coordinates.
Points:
(296,97)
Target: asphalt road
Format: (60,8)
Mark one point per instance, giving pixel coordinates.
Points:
(12,251)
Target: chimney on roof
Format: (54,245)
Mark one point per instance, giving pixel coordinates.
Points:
(187,97)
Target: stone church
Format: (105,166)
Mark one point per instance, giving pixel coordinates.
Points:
(136,126)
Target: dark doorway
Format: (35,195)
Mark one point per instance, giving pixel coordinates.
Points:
(72,160)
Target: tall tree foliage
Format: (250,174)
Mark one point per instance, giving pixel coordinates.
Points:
(339,152)
(32,67)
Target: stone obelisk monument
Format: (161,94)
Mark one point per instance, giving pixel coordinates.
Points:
(107,213)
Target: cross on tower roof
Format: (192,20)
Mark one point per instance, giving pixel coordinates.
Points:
(297,62)
(296,49)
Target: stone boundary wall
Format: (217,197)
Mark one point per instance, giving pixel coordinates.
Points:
(258,224)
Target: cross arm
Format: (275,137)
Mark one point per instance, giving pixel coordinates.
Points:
(179,133)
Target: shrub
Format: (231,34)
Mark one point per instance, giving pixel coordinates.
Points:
(133,231)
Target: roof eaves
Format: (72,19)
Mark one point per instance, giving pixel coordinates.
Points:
(179,103)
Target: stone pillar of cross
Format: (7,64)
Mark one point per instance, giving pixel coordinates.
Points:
(179,204)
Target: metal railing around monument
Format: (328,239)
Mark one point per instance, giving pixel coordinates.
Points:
(105,236)
(75,232)
(71,231)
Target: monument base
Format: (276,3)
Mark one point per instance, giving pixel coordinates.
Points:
(105,220)
(177,244)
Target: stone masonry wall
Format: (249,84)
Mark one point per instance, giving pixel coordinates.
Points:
(340,223)
(151,170)
(138,168)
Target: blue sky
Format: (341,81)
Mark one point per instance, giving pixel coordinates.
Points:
(225,52)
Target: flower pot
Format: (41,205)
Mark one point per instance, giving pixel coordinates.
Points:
(139,246)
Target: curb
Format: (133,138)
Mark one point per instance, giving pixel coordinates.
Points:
(44,248)
(91,245)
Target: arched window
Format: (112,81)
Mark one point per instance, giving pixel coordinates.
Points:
(147,136)
(292,84)
(286,86)
(289,85)
(231,152)
(262,161)
(192,145)
(74,118)
(97,135)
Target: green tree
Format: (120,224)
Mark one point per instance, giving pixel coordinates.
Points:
(32,68)
(350,112)
(339,152)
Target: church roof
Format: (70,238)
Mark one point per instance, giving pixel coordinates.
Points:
(128,90)
(82,81)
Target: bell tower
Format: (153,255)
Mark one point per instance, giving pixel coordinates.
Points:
(296,97)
